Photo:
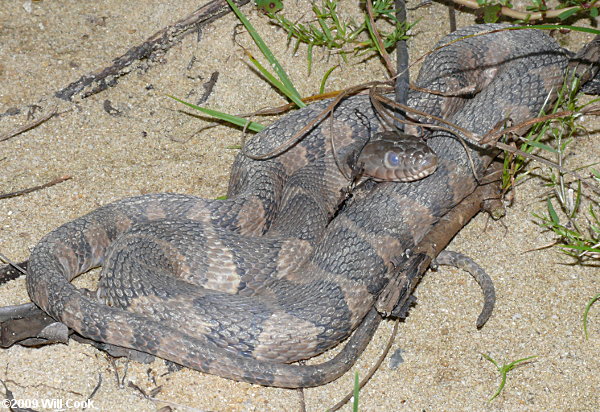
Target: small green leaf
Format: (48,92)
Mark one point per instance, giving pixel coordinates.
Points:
(269,6)
(552,212)
(542,146)
(373,37)
(568,13)
(489,358)
(326,30)
(491,14)
(503,370)
(594,12)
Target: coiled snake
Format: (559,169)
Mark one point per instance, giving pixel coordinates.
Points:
(243,286)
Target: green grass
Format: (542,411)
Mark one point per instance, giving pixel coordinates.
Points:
(229,118)
(284,84)
(503,371)
(279,80)
(578,233)
(573,204)
(588,306)
(328,30)
(356,392)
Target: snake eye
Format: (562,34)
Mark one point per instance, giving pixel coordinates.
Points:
(391,159)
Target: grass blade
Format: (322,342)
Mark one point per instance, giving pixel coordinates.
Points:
(238,121)
(552,212)
(556,26)
(585,313)
(325,77)
(542,146)
(503,370)
(268,54)
(356,392)
(271,79)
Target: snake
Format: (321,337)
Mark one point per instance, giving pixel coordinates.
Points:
(288,266)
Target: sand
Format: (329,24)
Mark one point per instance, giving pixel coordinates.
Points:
(153,146)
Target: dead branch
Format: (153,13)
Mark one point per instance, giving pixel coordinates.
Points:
(159,42)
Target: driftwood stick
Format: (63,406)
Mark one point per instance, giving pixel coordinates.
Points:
(159,42)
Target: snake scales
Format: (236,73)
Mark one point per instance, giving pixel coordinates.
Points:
(276,278)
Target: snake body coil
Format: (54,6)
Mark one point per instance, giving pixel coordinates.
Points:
(241,287)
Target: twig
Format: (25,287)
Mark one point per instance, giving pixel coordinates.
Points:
(300,392)
(301,399)
(402,78)
(289,106)
(371,372)
(462,92)
(380,46)
(378,98)
(160,41)
(33,189)
(452,18)
(95,388)
(12,270)
(29,126)
(495,135)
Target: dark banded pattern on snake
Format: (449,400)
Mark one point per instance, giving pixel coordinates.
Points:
(246,329)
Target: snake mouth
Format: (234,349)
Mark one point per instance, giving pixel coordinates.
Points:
(424,172)
(403,175)
(419,169)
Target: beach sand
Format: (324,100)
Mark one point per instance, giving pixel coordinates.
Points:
(150,145)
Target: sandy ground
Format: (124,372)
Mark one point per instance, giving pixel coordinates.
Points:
(151,146)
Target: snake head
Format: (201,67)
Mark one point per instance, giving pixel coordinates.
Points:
(397,157)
